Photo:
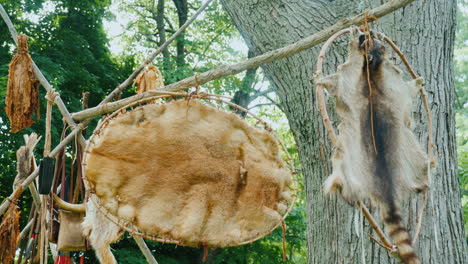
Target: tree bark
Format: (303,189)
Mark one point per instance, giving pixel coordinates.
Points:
(182,11)
(425,33)
(160,22)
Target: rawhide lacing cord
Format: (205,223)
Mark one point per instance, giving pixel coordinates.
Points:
(369,45)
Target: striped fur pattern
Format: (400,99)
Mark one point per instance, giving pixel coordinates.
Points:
(398,165)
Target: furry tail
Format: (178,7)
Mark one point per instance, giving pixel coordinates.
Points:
(400,236)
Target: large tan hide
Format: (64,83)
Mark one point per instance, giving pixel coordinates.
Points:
(399,166)
(190,173)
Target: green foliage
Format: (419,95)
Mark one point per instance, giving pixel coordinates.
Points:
(68,43)
(461,86)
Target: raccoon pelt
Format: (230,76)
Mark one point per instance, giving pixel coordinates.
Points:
(398,164)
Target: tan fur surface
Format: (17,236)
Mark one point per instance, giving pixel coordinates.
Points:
(189,172)
(100,232)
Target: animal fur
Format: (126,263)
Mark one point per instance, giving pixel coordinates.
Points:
(400,164)
(100,232)
(186,171)
(24,159)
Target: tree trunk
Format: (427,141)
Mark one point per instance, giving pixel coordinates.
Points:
(182,11)
(160,22)
(425,33)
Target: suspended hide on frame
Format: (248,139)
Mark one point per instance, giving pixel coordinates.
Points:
(188,172)
(23,88)
(377,156)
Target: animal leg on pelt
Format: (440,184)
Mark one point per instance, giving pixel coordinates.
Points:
(101,232)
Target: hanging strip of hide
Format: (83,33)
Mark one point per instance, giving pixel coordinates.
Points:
(397,165)
(23,88)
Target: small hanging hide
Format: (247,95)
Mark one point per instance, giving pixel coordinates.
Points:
(377,156)
(9,229)
(187,173)
(149,79)
(23,88)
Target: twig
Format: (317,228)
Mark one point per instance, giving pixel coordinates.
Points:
(386,243)
(267,57)
(132,76)
(145,250)
(379,243)
(420,217)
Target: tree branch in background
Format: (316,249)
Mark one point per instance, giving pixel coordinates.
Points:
(162,29)
(182,10)
(132,76)
(226,70)
(242,97)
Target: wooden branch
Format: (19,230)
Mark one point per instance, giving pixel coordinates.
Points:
(132,76)
(226,70)
(61,106)
(33,175)
(386,243)
(319,87)
(420,217)
(145,250)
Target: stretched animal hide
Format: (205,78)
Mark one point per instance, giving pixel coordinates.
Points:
(188,172)
(399,166)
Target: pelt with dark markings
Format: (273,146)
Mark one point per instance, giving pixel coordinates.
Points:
(397,165)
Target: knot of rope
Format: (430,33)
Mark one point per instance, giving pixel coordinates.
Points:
(51,95)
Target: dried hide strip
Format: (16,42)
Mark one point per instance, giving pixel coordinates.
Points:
(23,88)
(149,78)
(398,165)
(10,229)
(188,172)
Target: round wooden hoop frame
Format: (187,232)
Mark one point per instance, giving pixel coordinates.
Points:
(331,133)
(129,227)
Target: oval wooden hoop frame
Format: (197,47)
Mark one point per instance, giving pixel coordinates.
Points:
(129,227)
(331,133)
